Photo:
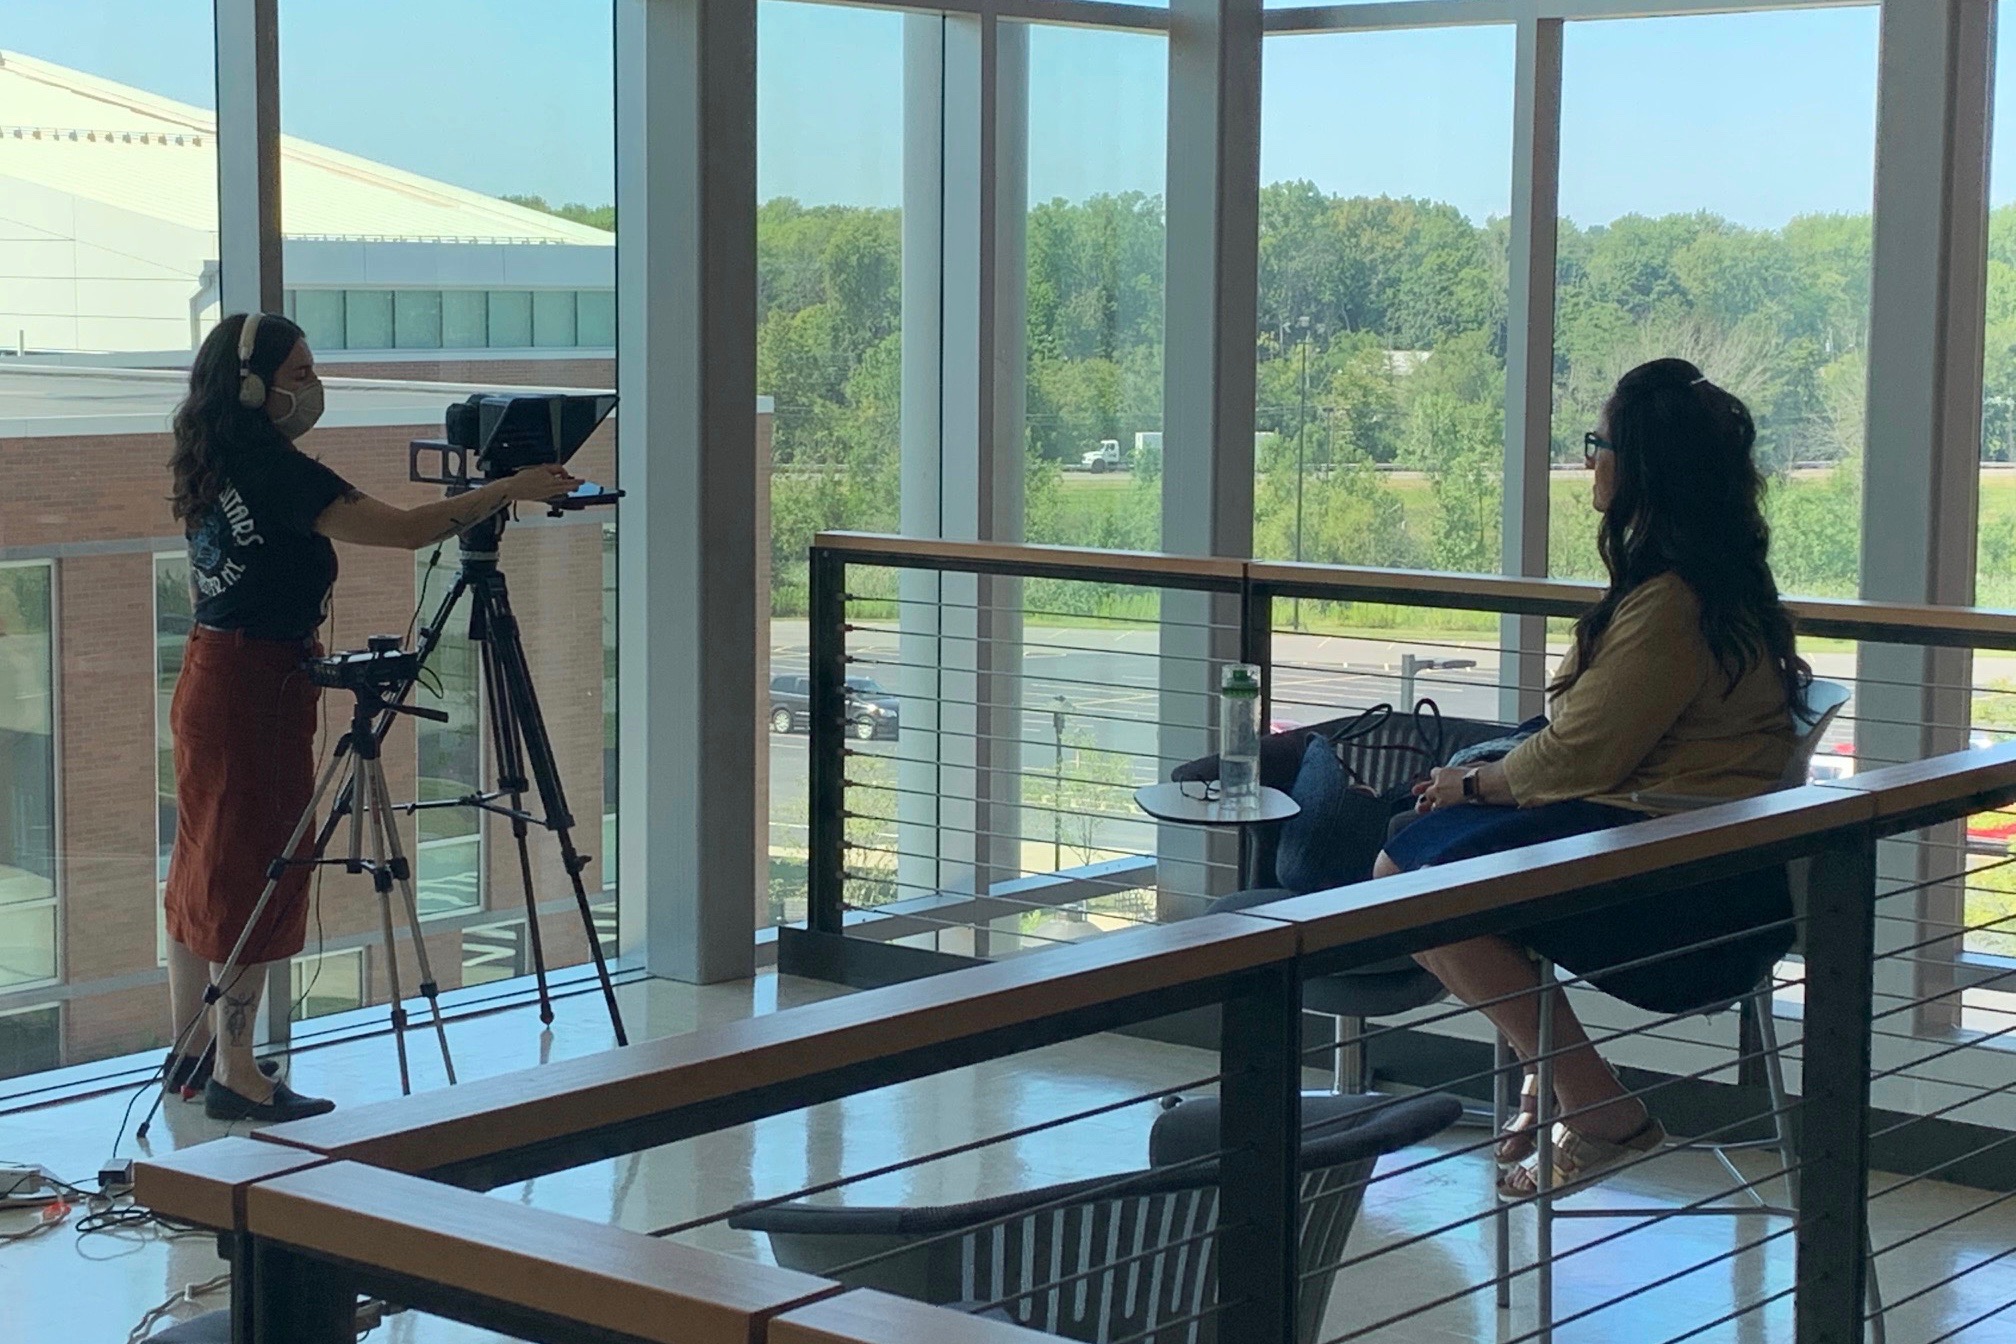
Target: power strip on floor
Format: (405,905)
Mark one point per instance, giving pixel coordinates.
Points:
(25,1187)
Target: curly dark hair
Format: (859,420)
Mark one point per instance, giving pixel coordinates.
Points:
(210,425)
(1690,501)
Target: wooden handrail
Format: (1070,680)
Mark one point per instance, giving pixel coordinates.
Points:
(1661,852)
(1827,618)
(865,1316)
(600,1276)
(1901,791)
(431,1131)
(206,1184)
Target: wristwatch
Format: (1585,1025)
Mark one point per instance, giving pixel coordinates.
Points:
(1472,792)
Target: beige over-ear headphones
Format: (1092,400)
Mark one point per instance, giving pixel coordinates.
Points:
(251,387)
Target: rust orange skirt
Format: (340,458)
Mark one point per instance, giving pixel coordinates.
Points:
(244,723)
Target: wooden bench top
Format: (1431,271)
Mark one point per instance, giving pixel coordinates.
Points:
(1936,781)
(432,1130)
(207,1184)
(865,1316)
(598,1275)
(1472,887)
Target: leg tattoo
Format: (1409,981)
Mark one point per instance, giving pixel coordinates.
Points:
(238,1019)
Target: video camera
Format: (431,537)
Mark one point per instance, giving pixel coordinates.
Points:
(505,433)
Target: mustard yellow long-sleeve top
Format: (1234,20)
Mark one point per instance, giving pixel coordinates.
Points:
(1653,714)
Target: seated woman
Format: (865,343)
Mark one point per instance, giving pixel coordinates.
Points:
(1681,682)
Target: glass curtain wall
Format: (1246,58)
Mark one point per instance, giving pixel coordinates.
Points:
(1095,247)
(28,943)
(111,263)
(1715,203)
(1991,890)
(1386,180)
(1995,585)
(829,179)
(1093,284)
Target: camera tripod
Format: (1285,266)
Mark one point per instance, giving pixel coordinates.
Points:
(519,742)
(380,853)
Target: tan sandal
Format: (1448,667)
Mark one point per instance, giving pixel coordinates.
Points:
(1580,1160)
(1520,1138)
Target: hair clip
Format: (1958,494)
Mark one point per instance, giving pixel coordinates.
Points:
(1698,381)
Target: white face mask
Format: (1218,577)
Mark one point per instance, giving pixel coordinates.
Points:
(304,409)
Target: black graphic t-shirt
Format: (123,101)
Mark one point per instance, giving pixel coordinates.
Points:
(255,560)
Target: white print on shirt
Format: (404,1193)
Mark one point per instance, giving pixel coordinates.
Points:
(237,517)
(244,531)
(210,585)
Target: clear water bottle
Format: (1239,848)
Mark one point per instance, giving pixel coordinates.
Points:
(1239,736)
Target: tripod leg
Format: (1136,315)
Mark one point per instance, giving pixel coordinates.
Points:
(531,726)
(370,798)
(402,875)
(575,863)
(511,777)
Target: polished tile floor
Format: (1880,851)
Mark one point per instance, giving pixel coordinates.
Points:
(59,1286)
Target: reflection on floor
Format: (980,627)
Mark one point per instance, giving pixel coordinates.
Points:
(57,1286)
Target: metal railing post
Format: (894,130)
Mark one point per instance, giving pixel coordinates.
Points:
(1834,1114)
(1260,1194)
(294,1299)
(826,857)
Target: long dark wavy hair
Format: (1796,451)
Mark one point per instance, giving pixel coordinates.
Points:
(1690,501)
(210,425)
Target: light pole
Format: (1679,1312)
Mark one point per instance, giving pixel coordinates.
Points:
(1411,666)
(1058,709)
(1301,447)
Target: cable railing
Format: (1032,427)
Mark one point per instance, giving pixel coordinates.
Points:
(1040,686)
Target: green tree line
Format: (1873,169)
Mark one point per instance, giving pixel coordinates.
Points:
(1381,369)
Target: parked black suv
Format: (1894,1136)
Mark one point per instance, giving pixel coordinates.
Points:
(871,711)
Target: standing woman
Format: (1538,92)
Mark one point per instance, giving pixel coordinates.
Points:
(259,515)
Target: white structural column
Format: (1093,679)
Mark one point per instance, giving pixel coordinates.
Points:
(1209,325)
(1213,276)
(1922,470)
(686,446)
(247,36)
(248,155)
(964,227)
(1529,353)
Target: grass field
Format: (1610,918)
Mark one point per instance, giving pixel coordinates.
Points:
(1799,509)
(1816,518)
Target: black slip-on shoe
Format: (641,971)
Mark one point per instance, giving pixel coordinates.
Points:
(221,1103)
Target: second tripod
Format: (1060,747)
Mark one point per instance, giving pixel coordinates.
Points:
(376,849)
(521,748)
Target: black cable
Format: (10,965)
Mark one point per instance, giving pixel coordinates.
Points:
(426,582)
(128,1217)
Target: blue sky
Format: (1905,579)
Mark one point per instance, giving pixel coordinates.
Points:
(1759,117)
